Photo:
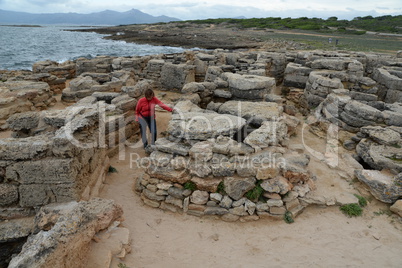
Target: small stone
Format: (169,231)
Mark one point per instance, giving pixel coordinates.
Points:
(161,192)
(151,195)
(239,202)
(290,196)
(199,197)
(275,203)
(277,210)
(261,206)
(250,206)
(152,188)
(186,203)
(196,207)
(164,186)
(175,192)
(195,213)
(292,204)
(174,201)
(212,204)
(238,211)
(226,202)
(149,202)
(215,197)
(215,211)
(165,206)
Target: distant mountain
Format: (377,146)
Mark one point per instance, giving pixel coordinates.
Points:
(107,17)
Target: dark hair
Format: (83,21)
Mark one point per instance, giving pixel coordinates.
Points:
(149,93)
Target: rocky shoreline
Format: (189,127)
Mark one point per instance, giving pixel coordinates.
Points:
(194,36)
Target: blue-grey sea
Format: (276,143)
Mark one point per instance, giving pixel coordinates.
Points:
(21,47)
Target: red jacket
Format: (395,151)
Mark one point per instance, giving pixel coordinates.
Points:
(147,108)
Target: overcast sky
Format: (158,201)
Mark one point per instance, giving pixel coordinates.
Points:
(185,10)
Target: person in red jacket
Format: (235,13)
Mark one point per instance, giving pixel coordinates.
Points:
(145,115)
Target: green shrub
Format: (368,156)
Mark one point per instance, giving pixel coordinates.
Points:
(112,169)
(190,186)
(288,218)
(221,188)
(362,200)
(255,193)
(352,210)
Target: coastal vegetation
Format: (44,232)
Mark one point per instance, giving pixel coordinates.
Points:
(357,26)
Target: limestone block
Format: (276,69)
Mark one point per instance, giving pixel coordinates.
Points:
(187,106)
(167,173)
(16,228)
(160,159)
(329,64)
(203,126)
(381,135)
(21,121)
(296,75)
(24,149)
(193,87)
(82,83)
(384,187)
(200,169)
(174,201)
(176,192)
(253,112)
(174,76)
(237,187)
(206,184)
(8,194)
(271,133)
(251,87)
(220,93)
(380,156)
(201,151)
(164,145)
(57,171)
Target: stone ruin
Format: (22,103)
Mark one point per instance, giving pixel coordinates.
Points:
(226,152)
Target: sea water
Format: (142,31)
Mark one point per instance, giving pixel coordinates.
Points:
(21,47)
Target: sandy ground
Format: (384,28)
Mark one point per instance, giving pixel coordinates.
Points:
(319,237)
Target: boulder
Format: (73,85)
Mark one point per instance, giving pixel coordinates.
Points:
(380,156)
(384,187)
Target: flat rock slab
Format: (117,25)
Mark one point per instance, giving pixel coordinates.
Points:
(254,112)
(203,126)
